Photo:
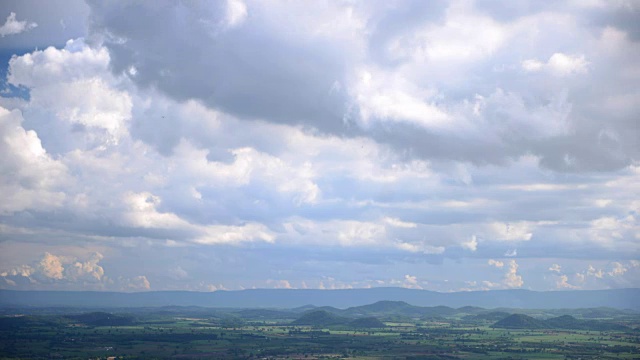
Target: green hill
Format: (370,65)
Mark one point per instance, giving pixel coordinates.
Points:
(265,314)
(569,322)
(394,308)
(519,321)
(383,307)
(368,322)
(320,318)
(490,316)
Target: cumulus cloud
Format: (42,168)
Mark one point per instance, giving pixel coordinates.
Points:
(322,134)
(617,269)
(179,273)
(563,283)
(511,278)
(31,177)
(71,272)
(12,26)
(51,267)
(411,282)
(279,284)
(71,84)
(559,64)
(137,283)
(88,270)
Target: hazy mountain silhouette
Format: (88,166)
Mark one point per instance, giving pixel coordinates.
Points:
(291,298)
(520,321)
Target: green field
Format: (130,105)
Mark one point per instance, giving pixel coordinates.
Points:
(223,334)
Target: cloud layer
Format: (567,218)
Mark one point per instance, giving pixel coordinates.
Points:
(445,146)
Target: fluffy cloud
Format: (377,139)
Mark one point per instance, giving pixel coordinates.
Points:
(555,268)
(12,26)
(71,272)
(472,244)
(51,267)
(495,263)
(31,177)
(559,64)
(562,283)
(511,278)
(334,137)
(138,283)
(87,270)
(279,284)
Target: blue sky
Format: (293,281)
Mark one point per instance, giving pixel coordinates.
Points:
(446,145)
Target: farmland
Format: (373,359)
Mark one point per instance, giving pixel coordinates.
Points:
(397,331)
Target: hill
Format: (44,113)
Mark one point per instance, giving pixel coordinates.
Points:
(490,316)
(569,322)
(401,308)
(320,318)
(519,321)
(367,323)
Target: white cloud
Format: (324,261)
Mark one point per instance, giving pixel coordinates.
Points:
(30,177)
(236,12)
(87,270)
(22,270)
(334,129)
(295,180)
(559,64)
(142,212)
(74,84)
(12,26)
(465,36)
(137,283)
(511,278)
(178,273)
(384,97)
(399,223)
(279,284)
(495,263)
(513,231)
(511,253)
(555,268)
(563,283)
(472,244)
(74,62)
(617,269)
(420,247)
(411,282)
(598,273)
(227,234)
(60,269)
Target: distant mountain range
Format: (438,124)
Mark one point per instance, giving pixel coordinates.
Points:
(291,298)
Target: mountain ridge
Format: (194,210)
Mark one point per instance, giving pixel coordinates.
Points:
(343,298)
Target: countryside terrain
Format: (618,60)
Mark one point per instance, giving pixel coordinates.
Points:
(381,330)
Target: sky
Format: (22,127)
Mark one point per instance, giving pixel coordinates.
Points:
(204,146)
